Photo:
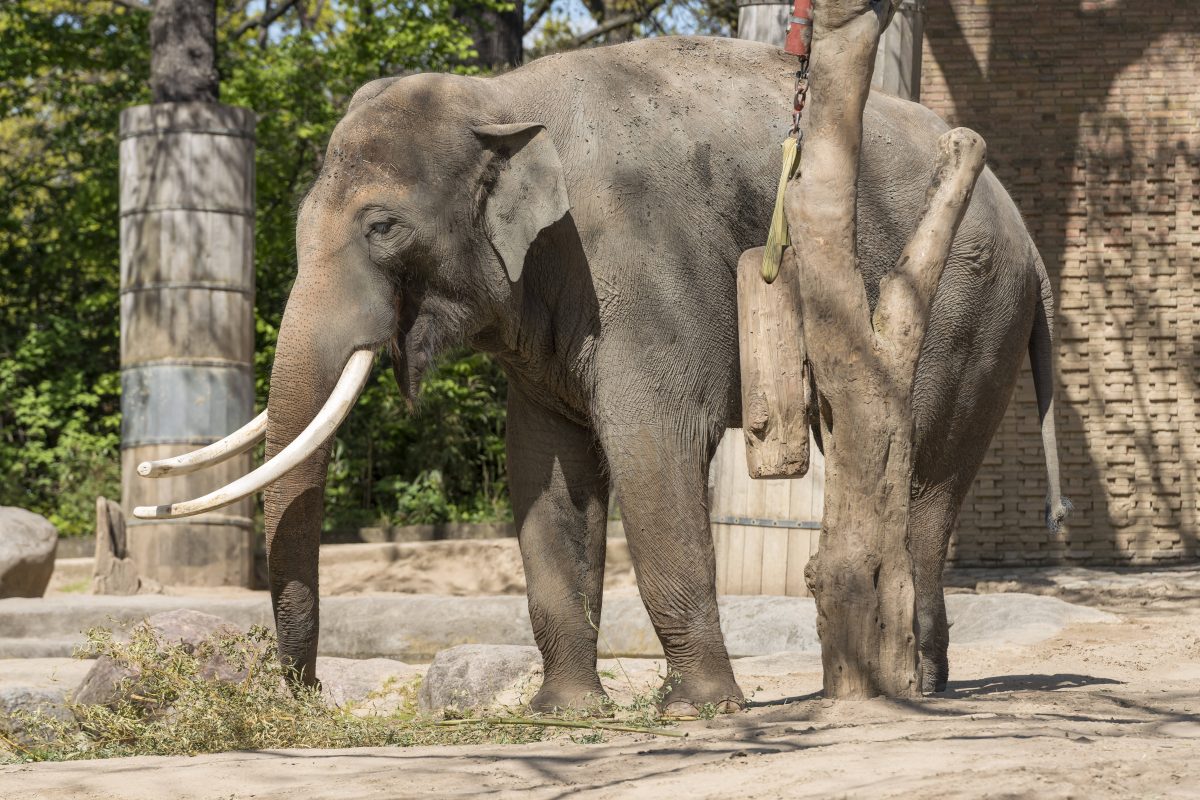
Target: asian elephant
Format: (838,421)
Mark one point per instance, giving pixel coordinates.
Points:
(581,219)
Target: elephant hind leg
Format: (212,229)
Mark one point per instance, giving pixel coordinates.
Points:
(661,478)
(933,515)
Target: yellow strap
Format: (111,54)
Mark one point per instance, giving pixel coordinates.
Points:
(777,237)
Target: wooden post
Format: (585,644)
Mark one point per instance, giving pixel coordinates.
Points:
(898,60)
(187,327)
(864,365)
(898,63)
(114,572)
(762,21)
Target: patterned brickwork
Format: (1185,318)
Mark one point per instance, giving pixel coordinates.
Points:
(1091,110)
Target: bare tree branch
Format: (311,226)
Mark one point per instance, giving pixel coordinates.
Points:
(617,22)
(265,19)
(238,8)
(536,13)
(134,5)
(595,8)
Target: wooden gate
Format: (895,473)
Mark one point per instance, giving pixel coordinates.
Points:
(764,530)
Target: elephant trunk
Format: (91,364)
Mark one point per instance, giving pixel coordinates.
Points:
(294,505)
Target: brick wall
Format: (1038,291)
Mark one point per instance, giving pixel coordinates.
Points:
(1091,111)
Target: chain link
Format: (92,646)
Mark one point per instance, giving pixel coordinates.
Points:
(801,94)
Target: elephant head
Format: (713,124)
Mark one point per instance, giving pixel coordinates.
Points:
(414,234)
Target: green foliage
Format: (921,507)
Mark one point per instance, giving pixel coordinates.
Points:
(67,68)
(445,462)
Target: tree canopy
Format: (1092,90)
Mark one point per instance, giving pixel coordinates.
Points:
(68,67)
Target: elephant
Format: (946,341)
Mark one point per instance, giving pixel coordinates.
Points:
(580,218)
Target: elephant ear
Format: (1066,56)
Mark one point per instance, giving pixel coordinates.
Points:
(528,193)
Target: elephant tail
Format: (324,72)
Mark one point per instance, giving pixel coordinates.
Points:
(1041,359)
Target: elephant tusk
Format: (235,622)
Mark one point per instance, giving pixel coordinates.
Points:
(234,444)
(324,424)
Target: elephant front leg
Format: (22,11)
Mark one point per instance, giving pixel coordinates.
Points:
(661,479)
(560,501)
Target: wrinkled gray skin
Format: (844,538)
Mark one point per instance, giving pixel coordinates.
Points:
(441,216)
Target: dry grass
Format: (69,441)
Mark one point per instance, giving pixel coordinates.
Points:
(170,707)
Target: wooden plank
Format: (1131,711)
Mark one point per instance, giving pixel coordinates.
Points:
(775,499)
(752,560)
(721,546)
(775,396)
(733,568)
(186,324)
(816,478)
(800,498)
(764,22)
(774,561)
(797,558)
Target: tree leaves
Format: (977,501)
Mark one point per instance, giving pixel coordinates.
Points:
(67,68)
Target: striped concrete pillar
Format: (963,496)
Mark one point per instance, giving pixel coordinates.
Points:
(187,328)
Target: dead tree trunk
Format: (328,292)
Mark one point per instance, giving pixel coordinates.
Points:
(183,51)
(498,35)
(114,572)
(864,364)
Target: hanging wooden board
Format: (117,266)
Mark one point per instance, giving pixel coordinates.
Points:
(775,385)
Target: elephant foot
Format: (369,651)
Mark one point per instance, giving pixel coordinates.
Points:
(699,698)
(935,672)
(587,699)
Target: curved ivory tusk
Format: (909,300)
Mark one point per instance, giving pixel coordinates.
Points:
(234,444)
(323,425)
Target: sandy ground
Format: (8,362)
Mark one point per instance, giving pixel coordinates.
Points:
(1099,711)
(455,567)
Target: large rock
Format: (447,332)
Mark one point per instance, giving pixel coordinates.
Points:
(478,677)
(20,708)
(377,686)
(27,545)
(103,683)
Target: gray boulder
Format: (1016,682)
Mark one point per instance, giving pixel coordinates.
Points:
(369,686)
(103,683)
(478,677)
(27,545)
(21,707)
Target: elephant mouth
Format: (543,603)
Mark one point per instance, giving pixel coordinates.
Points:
(409,365)
(440,324)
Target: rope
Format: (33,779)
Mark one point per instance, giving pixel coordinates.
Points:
(799,39)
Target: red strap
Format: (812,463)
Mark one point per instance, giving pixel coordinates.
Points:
(799,31)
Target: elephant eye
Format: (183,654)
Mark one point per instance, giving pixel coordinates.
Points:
(380,228)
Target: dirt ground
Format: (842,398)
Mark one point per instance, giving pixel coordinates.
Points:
(455,567)
(1099,711)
